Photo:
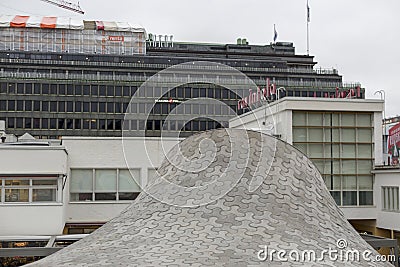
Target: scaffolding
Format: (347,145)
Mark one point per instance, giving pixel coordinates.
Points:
(65,35)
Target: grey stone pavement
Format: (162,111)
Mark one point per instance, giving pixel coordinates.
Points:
(220,198)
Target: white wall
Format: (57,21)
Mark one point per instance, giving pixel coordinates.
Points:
(386,219)
(98,152)
(32,160)
(34,219)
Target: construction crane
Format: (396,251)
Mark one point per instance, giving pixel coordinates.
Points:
(67,5)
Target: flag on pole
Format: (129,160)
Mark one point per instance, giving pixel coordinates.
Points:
(275,34)
(308,12)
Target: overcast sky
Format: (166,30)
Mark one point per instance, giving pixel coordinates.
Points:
(358,37)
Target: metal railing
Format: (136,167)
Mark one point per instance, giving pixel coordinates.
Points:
(318,71)
(180,80)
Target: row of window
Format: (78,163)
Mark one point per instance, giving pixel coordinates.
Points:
(353,198)
(161,62)
(96,90)
(112,124)
(115,107)
(336,151)
(28,190)
(116,91)
(104,184)
(351,190)
(329,119)
(333,135)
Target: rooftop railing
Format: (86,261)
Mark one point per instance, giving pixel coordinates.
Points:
(174,79)
(318,71)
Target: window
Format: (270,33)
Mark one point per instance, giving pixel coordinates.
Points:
(341,147)
(390,198)
(104,184)
(30,189)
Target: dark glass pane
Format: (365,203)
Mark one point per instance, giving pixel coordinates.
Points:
(45,123)
(86,107)
(118,124)
(53,89)
(36,123)
(61,89)
(53,124)
(110,107)
(70,89)
(78,106)
(70,106)
(110,90)
(366,198)
(349,198)
(45,89)
(86,90)
(45,106)
(36,105)
(28,105)
(20,88)
(128,196)
(94,90)
(118,91)
(105,196)
(11,105)
(102,124)
(3,105)
(20,105)
(336,197)
(28,88)
(78,89)
(61,123)
(19,123)
(69,124)
(77,124)
(28,123)
(61,106)
(85,124)
(53,106)
(102,90)
(110,124)
(102,107)
(10,122)
(94,107)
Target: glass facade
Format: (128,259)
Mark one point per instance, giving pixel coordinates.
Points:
(51,94)
(341,145)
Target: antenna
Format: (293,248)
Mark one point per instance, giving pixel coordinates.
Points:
(66,5)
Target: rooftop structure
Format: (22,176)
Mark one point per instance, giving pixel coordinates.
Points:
(66,35)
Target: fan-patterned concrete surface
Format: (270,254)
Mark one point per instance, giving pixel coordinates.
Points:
(220,198)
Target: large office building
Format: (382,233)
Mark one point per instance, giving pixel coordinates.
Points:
(67,77)
(89,82)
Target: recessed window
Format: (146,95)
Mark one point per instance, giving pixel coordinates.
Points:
(390,198)
(104,184)
(30,189)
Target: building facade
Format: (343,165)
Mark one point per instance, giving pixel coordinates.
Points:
(54,86)
(338,135)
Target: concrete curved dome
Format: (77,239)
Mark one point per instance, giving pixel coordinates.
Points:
(224,198)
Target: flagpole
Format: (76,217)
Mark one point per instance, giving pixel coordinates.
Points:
(308,29)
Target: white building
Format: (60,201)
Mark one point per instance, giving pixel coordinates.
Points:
(343,137)
(73,185)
